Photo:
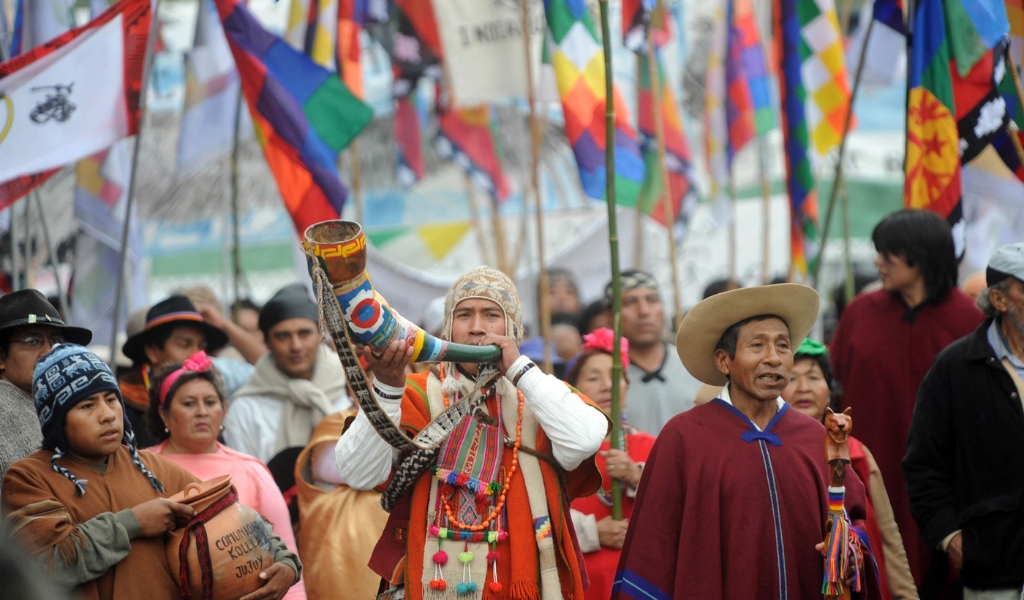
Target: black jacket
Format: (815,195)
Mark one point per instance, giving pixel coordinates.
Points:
(965,461)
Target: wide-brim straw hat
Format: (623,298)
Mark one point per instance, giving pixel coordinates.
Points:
(705,324)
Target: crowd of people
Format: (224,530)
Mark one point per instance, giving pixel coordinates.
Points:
(495,481)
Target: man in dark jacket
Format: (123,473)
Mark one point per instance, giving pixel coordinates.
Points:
(965,456)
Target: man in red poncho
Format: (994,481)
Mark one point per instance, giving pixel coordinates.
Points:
(734,495)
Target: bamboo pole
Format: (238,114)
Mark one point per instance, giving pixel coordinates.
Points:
(26,217)
(51,250)
(666,192)
(613,242)
(766,218)
(132,179)
(837,181)
(544,308)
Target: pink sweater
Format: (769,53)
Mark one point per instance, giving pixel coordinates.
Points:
(256,489)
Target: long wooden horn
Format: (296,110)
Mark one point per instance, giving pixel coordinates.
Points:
(339,248)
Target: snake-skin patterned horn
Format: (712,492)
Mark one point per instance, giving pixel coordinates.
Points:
(339,247)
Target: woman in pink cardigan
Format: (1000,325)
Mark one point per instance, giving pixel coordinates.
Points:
(186,408)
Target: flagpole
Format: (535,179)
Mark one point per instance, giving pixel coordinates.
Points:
(733,275)
(357,187)
(51,249)
(474,211)
(638,260)
(766,199)
(236,238)
(1014,139)
(613,242)
(837,181)
(544,308)
(132,178)
(15,263)
(666,192)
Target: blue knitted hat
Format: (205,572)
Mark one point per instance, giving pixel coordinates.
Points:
(65,376)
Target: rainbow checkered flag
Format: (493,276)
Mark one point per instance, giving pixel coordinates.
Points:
(800,181)
(578,61)
(823,66)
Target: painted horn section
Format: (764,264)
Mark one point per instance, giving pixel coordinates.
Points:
(339,247)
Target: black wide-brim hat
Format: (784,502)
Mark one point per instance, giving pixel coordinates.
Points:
(176,310)
(30,307)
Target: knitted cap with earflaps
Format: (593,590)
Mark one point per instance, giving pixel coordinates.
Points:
(64,377)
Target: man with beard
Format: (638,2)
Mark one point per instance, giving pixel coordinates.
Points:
(965,457)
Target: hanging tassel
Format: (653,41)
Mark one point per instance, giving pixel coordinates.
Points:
(466,586)
(440,560)
(492,559)
(840,539)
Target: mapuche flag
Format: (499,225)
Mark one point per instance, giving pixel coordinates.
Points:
(54,112)
(303,116)
(953,40)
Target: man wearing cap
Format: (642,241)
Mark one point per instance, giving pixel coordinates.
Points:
(297,383)
(660,387)
(29,327)
(734,494)
(485,513)
(174,331)
(965,455)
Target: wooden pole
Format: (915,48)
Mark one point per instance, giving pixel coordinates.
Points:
(15,242)
(51,250)
(474,211)
(733,274)
(544,309)
(638,242)
(766,218)
(847,255)
(837,181)
(132,179)
(236,240)
(1014,139)
(666,192)
(357,184)
(613,242)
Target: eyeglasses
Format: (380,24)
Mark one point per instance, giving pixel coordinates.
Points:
(35,342)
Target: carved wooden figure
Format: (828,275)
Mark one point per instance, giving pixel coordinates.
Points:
(840,536)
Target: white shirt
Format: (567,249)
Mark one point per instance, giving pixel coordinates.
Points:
(724,396)
(575,429)
(251,422)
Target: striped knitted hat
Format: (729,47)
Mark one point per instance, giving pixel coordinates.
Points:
(65,376)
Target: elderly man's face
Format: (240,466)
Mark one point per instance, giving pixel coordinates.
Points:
(643,316)
(764,358)
(1010,304)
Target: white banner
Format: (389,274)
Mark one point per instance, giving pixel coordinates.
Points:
(483,47)
(66,105)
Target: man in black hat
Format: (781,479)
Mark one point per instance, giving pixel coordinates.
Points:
(174,331)
(296,383)
(29,327)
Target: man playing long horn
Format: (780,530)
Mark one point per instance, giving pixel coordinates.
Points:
(486,515)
